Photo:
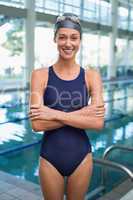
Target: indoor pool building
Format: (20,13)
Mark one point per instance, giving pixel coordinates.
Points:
(26,43)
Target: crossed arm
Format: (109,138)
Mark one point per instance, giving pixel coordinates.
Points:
(89,117)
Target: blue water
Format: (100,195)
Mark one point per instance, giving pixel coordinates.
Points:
(15,131)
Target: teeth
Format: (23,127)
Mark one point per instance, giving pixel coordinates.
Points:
(68,51)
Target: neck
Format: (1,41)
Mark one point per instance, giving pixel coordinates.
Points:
(66,64)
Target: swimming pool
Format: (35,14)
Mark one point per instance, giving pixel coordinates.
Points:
(24,163)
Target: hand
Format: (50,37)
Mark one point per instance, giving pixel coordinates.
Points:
(41,113)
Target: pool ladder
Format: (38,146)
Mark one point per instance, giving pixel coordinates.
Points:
(105,163)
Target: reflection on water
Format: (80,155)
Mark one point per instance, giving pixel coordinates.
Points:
(3,115)
(4,98)
(116,133)
(11,131)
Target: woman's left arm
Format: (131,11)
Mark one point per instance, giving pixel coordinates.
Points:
(86,121)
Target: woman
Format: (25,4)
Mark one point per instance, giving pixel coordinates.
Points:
(59,106)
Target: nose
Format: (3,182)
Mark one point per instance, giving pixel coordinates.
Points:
(68,42)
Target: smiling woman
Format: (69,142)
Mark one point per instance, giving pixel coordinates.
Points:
(68,42)
(59,106)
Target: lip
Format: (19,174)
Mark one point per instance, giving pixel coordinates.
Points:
(68,51)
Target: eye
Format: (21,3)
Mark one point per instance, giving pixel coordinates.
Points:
(61,37)
(74,38)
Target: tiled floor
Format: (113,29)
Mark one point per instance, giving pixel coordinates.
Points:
(122,192)
(12,188)
(128,196)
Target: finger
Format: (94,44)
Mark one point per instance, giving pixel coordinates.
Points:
(34,106)
(100,112)
(100,109)
(100,115)
(100,106)
(34,110)
(34,118)
(33,115)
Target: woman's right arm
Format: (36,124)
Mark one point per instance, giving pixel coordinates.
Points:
(37,89)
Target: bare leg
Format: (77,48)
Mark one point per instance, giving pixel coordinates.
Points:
(78,181)
(52,182)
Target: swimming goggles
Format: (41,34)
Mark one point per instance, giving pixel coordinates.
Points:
(72,18)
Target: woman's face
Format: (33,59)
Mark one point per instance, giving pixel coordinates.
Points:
(68,42)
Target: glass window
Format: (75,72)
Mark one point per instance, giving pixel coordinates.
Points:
(90,10)
(129,71)
(51,6)
(72,9)
(48,6)
(72,6)
(11,48)
(40,5)
(131,20)
(122,17)
(97,11)
(96,51)
(72,2)
(14,3)
(90,47)
(45,48)
(105,13)
(121,56)
(58,6)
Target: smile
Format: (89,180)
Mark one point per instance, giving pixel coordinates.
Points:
(68,51)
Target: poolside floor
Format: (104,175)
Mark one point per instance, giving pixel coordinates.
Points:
(123,192)
(12,188)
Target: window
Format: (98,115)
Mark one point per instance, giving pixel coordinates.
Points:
(11,48)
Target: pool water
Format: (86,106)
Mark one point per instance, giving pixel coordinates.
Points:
(15,132)
(24,163)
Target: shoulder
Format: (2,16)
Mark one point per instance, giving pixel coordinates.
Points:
(92,75)
(92,71)
(40,75)
(40,72)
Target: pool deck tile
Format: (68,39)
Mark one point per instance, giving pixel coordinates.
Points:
(128,196)
(12,188)
(120,192)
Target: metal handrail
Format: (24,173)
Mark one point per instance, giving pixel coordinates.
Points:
(114,165)
(106,154)
(94,192)
(112,147)
(109,164)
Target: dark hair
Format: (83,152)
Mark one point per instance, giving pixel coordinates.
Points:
(68,20)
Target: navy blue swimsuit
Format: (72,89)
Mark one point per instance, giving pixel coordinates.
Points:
(65,147)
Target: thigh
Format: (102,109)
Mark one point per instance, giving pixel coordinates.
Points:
(78,181)
(52,182)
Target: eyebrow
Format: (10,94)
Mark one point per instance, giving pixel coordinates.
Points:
(63,34)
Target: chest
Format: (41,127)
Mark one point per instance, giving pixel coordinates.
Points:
(66,97)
